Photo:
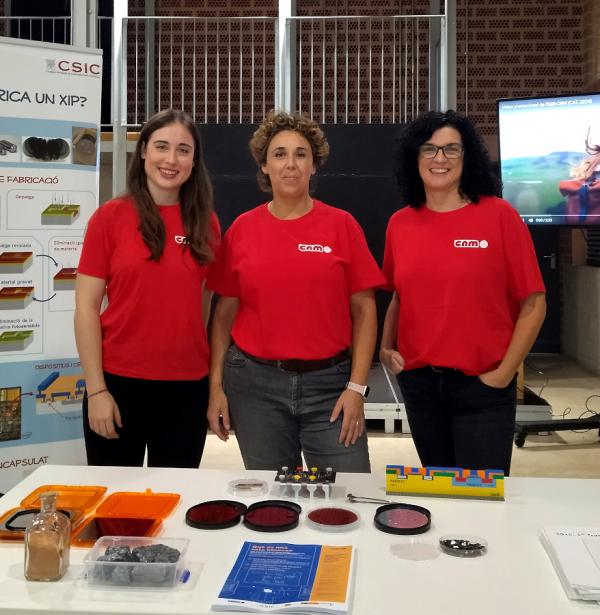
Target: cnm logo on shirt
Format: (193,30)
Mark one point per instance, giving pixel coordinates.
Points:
(470,243)
(313,247)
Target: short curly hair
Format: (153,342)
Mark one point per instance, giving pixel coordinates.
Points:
(277,121)
(478,177)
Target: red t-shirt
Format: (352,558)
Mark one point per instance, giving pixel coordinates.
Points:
(152,327)
(294,279)
(461,277)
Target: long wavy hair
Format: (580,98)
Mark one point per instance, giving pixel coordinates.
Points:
(195,195)
(478,177)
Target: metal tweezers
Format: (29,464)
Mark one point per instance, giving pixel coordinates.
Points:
(358,499)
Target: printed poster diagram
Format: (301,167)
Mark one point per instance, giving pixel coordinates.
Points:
(33,280)
(60,393)
(10,414)
(29,209)
(49,158)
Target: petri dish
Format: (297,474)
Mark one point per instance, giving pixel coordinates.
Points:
(22,519)
(332,519)
(247,487)
(414,550)
(463,545)
(272,516)
(215,514)
(402,519)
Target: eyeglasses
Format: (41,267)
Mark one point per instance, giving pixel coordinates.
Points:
(452,150)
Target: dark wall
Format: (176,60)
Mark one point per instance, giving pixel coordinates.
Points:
(357,177)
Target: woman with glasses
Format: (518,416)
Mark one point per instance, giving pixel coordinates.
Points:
(295,279)
(469,298)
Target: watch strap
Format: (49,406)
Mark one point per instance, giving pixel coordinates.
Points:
(363,389)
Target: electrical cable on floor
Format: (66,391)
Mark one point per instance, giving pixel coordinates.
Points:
(539,372)
(587,413)
(565,413)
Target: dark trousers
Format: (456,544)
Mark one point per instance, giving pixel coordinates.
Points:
(166,416)
(457,420)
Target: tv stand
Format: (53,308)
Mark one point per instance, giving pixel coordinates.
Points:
(524,427)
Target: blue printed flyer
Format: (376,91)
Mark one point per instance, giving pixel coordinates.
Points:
(291,578)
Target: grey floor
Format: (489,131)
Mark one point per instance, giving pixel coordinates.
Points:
(566,386)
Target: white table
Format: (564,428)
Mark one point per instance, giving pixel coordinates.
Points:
(515,577)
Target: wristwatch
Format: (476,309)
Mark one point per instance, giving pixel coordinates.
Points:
(363,389)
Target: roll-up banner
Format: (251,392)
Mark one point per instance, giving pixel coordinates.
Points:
(49,154)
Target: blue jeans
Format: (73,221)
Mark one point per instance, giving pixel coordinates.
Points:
(277,415)
(457,420)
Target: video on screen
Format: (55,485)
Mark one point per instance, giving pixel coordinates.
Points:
(550,158)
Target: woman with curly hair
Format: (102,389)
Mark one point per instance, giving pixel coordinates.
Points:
(295,279)
(469,298)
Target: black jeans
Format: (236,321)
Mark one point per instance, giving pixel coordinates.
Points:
(167,416)
(457,420)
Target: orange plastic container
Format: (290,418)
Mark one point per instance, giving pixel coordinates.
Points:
(76,500)
(126,514)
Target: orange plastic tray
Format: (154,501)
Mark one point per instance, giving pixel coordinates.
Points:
(141,513)
(79,500)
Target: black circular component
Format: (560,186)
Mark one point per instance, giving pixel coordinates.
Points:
(262,503)
(272,516)
(22,519)
(215,514)
(463,545)
(402,519)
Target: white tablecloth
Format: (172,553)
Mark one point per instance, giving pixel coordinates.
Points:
(514,577)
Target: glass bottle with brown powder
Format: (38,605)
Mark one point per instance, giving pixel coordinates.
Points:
(47,542)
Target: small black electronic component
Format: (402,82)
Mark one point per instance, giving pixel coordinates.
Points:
(461,545)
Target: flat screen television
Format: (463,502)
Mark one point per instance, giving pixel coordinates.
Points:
(549,151)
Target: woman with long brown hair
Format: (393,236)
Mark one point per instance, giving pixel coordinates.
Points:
(145,357)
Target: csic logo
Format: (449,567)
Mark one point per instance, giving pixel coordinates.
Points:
(470,243)
(69,67)
(314,247)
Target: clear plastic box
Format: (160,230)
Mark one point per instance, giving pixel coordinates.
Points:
(162,574)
